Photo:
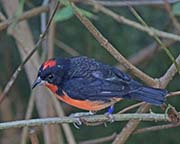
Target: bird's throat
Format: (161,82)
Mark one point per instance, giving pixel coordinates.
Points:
(52,87)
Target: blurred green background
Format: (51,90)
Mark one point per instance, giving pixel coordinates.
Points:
(128,42)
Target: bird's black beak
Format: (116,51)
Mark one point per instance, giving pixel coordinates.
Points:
(37,82)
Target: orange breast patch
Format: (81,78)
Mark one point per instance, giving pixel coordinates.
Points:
(52,87)
(85,104)
(82,104)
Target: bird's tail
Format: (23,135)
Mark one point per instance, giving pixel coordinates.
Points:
(150,95)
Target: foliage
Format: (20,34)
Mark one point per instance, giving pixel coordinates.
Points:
(176,9)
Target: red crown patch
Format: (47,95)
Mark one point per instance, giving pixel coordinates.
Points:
(49,63)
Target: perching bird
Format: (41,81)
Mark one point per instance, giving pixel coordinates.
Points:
(91,85)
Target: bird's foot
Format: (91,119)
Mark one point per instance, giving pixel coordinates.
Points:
(78,123)
(109,114)
(78,117)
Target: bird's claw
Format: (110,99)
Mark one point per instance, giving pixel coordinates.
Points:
(172,114)
(77,123)
(78,118)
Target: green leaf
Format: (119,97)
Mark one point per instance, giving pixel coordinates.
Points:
(176,9)
(82,11)
(86,13)
(64,14)
(65,2)
(20,7)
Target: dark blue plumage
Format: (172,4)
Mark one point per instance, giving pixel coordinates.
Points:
(83,78)
(91,85)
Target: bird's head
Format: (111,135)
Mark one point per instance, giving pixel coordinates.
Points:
(51,73)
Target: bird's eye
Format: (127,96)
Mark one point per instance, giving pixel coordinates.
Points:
(50,77)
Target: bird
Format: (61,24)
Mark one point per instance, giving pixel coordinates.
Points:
(91,85)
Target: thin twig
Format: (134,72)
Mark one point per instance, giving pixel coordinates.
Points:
(147,53)
(131,107)
(43,22)
(170,73)
(168,53)
(26,15)
(92,119)
(173,94)
(99,140)
(130,127)
(33,136)
(28,116)
(141,103)
(149,30)
(156,128)
(131,2)
(66,48)
(51,34)
(16,73)
(171,15)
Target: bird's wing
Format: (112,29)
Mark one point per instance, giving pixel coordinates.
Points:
(99,86)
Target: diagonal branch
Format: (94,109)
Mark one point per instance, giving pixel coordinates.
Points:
(109,47)
(167,77)
(174,20)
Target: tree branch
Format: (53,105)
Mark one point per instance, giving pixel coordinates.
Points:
(91,119)
(131,107)
(155,128)
(176,93)
(167,77)
(109,47)
(149,30)
(147,53)
(174,20)
(26,15)
(99,140)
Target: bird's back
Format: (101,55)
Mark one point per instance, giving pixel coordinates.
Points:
(84,67)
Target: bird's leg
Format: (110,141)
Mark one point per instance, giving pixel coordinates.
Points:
(79,115)
(109,113)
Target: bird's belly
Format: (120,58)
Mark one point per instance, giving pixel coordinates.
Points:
(82,104)
(86,104)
